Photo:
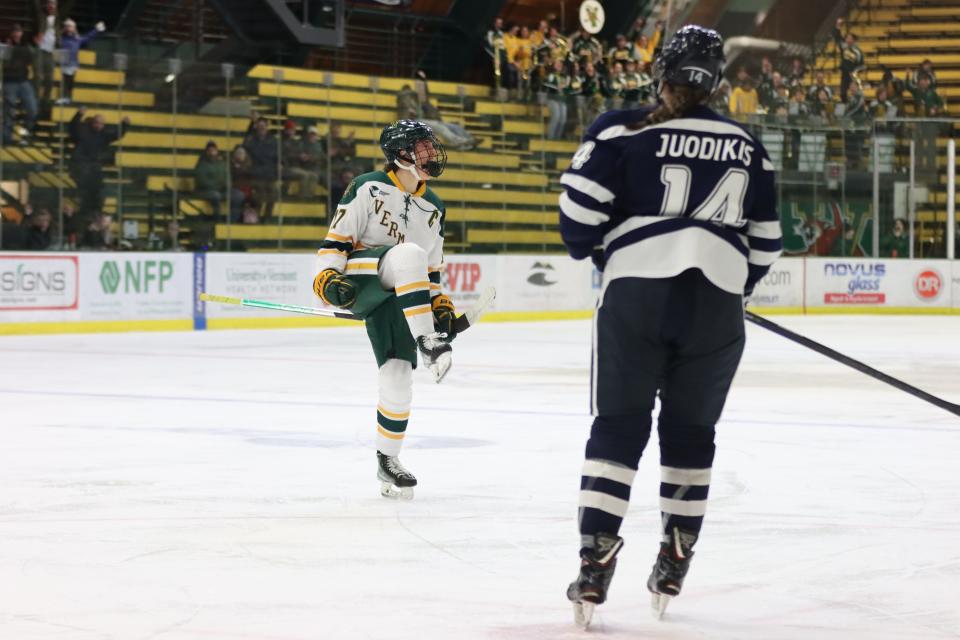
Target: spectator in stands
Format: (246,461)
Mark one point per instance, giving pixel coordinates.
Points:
(894,87)
(452,135)
(538,37)
(585,48)
(798,108)
(855,113)
(408,107)
(496,48)
(171,239)
(881,107)
(555,86)
(210,177)
(311,163)
(241,184)
(622,51)
(71,42)
(744,100)
(779,94)
(574,98)
(765,81)
(511,70)
(17,89)
(342,149)
(290,158)
(927,103)
(720,100)
(39,227)
(70,231)
(636,30)
(92,139)
(638,87)
(47,39)
(821,107)
(340,183)
(797,73)
(851,57)
(261,145)
(523,60)
(98,234)
(926,69)
(819,84)
(593,98)
(614,86)
(897,243)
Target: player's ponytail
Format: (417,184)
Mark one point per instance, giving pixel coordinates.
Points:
(680,100)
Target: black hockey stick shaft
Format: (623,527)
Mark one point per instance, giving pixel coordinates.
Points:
(850,362)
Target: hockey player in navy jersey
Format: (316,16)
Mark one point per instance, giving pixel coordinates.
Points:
(677,207)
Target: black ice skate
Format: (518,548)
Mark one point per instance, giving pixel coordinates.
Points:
(671,567)
(436,354)
(395,480)
(596,572)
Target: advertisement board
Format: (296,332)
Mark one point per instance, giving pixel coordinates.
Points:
(466,276)
(94,291)
(135,286)
(782,287)
(35,282)
(882,284)
(274,277)
(544,283)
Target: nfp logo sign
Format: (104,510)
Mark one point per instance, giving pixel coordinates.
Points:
(135,276)
(927,285)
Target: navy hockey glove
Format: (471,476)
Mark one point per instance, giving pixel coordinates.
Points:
(598,258)
(335,289)
(444,316)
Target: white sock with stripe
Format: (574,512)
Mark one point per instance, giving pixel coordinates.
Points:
(393,405)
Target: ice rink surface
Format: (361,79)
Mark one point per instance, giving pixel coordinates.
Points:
(222,485)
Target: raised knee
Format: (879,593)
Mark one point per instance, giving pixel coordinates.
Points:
(409,252)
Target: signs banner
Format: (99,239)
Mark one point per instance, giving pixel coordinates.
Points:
(39,282)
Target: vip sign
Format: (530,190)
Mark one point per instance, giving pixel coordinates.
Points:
(135,276)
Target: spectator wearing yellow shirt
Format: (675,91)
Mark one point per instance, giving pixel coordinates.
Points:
(511,43)
(520,55)
(744,99)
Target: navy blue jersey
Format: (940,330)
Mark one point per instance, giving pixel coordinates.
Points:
(692,192)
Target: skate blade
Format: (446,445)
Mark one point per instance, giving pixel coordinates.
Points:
(583,614)
(387,490)
(658,604)
(441,366)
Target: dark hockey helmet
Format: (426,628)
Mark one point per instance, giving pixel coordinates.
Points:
(413,142)
(693,57)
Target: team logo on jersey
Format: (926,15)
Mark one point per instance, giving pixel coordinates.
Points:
(541,274)
(582,155)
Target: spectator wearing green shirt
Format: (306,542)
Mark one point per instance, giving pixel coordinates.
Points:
(210,177)
(897,243)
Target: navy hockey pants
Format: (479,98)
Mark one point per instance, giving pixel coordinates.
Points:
(681,337)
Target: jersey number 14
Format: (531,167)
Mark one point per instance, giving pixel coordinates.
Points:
(723,205)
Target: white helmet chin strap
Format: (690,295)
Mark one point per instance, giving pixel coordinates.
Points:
(412,168)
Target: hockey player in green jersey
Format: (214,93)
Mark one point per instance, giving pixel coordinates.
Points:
(382,259)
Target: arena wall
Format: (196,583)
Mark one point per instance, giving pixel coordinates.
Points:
(97,292)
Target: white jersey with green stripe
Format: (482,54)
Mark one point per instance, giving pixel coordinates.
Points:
(375,212)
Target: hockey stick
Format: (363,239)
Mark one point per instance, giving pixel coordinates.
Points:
(850,362)
(463,322)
